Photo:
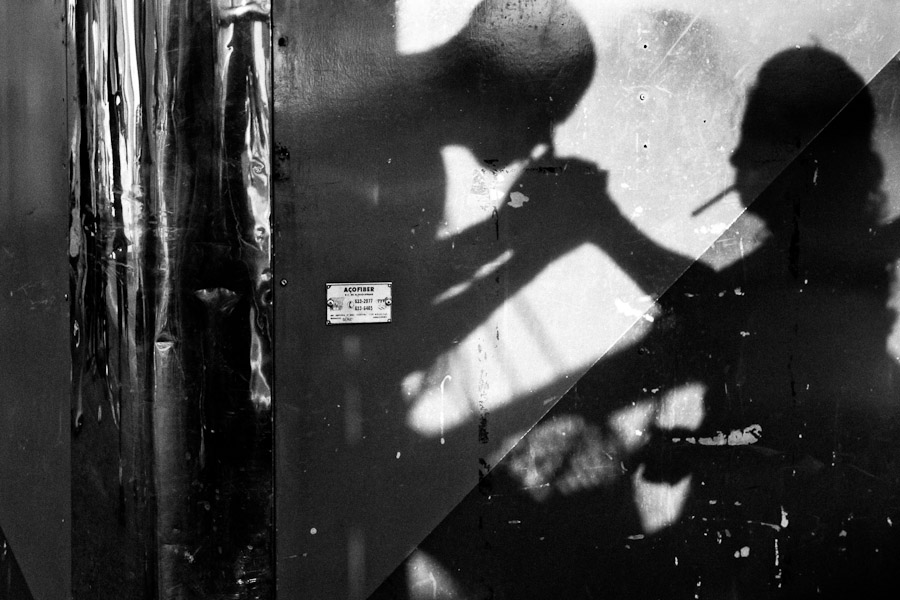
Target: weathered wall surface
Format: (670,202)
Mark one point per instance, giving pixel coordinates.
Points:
(34,357)
(528,176)
(464,157)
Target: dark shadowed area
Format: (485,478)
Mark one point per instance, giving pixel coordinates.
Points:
(746,444)
(34,363)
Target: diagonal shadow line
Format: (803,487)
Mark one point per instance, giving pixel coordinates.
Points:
(12,583)
(675,280)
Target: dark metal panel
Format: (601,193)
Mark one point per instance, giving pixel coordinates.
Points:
(34,374)
(747,445)
(386,152)
(12,583)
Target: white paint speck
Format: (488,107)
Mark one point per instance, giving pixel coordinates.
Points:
(443,381)
(784,518)
(313,531)
(629,311)
(398,455)
(742,553)
(738,292)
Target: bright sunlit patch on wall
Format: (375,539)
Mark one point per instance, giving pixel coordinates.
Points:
(541,339)
(631,424)
(483,272)
(659,504)
(682,407)
(473,190)
(566,454)
(893,341)
(426,24)
(427,579)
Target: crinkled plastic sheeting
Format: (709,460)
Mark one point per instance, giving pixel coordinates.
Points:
(171,285)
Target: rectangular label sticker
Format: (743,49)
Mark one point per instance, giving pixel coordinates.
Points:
(349,303)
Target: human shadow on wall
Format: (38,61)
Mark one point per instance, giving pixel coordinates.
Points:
(745,444)
(373,209)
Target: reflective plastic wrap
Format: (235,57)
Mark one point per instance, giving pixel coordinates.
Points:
(171,285)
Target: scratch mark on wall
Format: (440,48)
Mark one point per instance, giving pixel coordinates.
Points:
(443,381)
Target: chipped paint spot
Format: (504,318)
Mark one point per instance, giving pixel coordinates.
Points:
(517,199)
(737,437)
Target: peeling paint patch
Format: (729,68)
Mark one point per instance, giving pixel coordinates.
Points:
(517,199)
(737,437)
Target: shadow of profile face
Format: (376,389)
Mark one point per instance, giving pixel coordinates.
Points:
(517,69)
(807,97)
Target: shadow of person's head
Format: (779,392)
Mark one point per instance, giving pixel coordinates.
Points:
(808,128)
(515,71)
